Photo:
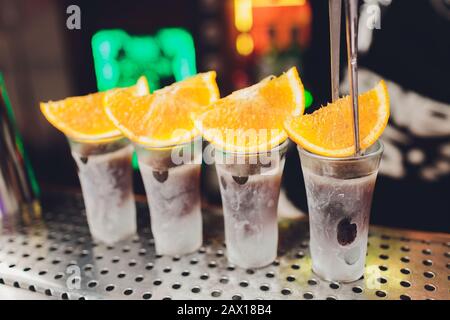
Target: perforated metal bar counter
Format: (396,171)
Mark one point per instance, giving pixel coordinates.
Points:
(56,258)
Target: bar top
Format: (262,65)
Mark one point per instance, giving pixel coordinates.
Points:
(47,257)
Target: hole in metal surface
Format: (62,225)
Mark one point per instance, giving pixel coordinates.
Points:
(109,287)
(202,250)
(405,271)
(64,296)
(276,263)
(212,264)
(290,278)
(167,298)
(405,259)
(384,246)
(195,289)
(115,259)
(236,297)
(216,293)
(331,298)
(224,280)
(31,288)
(48,292)
(308,295)
(382,280)
(429,287)
(176,286)
(127,292)
(157,282)
(334,285)
(104,271)
(167,269)
(405,284)
(139,278)
(26,269)
(405,297)
(146,296)
(59,275)
(380,293)
(132,263)
(426,251)
(185,273)
(149,266)
(176,258)
(243,284)
(383,256)
(250,271)
(295,266)
(42,273)
(427,263)
(231,268)
(300,255)
(428,274)
(194,261)
(121,275)
(405,249)
(357,289)
(204,276)
(286,291)
(92,284)
(312,282)
(264,287)
(383,268)
(270,274)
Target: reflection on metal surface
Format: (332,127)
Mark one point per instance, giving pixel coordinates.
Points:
(60,260)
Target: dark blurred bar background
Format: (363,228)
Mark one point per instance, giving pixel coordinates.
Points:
(41,59)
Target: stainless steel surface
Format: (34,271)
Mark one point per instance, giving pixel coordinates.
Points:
(47,258)
(351,14)
(335,45)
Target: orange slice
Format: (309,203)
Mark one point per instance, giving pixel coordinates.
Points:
(84,118)
(164,117)
(251,119)
(329,130)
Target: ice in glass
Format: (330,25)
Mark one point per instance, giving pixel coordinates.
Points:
(339,194)
(105,173)
(171,178)
(250,188)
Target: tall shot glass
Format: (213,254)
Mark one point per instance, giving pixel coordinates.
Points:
(250,188)
(339,194)
(105,173)
(171,177)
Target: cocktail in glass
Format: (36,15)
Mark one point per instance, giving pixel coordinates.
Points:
(339,194)
(105,173)
(171,177)
(250,188)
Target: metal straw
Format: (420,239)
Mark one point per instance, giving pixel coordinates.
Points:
(351,10)
(335,38)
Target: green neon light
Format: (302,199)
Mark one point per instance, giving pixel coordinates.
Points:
(308,99)
(18,139)
(120,59)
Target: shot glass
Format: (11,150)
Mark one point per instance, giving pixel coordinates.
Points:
(171,179)
(105,173)
(339,194)
(250,188)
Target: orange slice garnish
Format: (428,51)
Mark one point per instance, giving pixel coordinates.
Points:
(164,117)
(329,130)
(251,119)
(83,117)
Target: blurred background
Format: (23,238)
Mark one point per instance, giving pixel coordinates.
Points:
(47,53)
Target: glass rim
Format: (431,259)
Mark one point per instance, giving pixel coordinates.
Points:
(254,153)
(97,140)
(168,147)
(378,149)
